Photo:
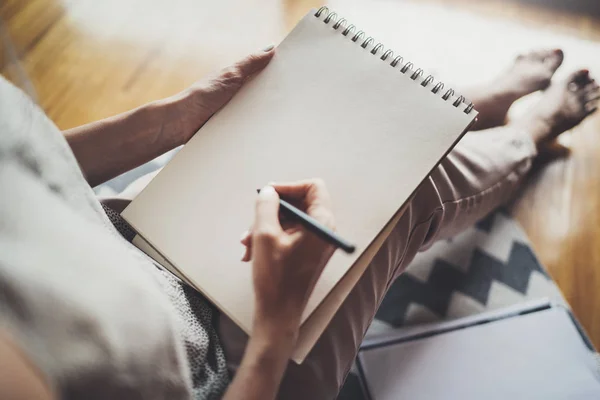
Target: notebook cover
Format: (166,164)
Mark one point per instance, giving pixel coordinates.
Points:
(324,107)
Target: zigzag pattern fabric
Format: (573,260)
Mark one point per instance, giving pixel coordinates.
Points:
(487,267)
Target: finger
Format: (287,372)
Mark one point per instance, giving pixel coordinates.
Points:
(246,238)
(313,195)
(310,190)
(247,255)
(267,211)
(255,62)
(293,190)
(289,225)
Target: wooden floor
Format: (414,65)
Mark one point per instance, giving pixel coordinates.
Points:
(84,60)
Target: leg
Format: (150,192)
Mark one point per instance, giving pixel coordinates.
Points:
(476,177)
(479,175)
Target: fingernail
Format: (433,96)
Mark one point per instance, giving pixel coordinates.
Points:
(268,48)
(267,190)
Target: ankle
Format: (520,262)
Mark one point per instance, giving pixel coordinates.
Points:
(505,90)
(539,129)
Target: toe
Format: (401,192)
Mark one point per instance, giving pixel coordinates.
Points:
(553,58)
(538,54)
(592,96)
(591,107)
(578,80)
(582,77)
(591,93)
(591,87)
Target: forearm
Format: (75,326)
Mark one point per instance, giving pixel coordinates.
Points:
(261,369)
(115,145)
(107,148)
(20,378)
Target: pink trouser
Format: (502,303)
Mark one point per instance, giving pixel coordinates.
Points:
(480,174)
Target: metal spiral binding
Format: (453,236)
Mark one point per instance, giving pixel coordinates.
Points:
(418,73)
(350,28)
(406,67)
(367,42)
(359,36)
(339,23)
(376,48)
(388,53)
(448,93)
(397,60)
(427,81)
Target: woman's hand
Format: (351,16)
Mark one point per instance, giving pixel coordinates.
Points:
(286,263)
(286,259)
(107,148)
(198,103)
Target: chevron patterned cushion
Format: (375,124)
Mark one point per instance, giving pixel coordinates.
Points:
(486,267)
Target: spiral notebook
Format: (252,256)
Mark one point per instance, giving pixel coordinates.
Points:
(333,104)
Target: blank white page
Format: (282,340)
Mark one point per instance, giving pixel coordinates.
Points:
(324,107)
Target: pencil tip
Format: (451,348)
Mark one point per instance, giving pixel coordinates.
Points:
(350,249)
(257,190)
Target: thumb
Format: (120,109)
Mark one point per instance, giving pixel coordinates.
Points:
(255,62)
(267,211)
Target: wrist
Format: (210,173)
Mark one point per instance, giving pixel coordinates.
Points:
(280,321)
(279,331)
(172,112)
(270,350)
(186,107)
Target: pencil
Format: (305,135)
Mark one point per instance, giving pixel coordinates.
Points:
(315,226)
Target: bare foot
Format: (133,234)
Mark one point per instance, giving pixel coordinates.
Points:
(563,106)
(530,72)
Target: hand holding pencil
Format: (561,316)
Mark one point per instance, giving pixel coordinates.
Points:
(288,250)
(289,212)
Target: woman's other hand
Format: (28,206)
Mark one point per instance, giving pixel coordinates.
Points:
(205,97)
